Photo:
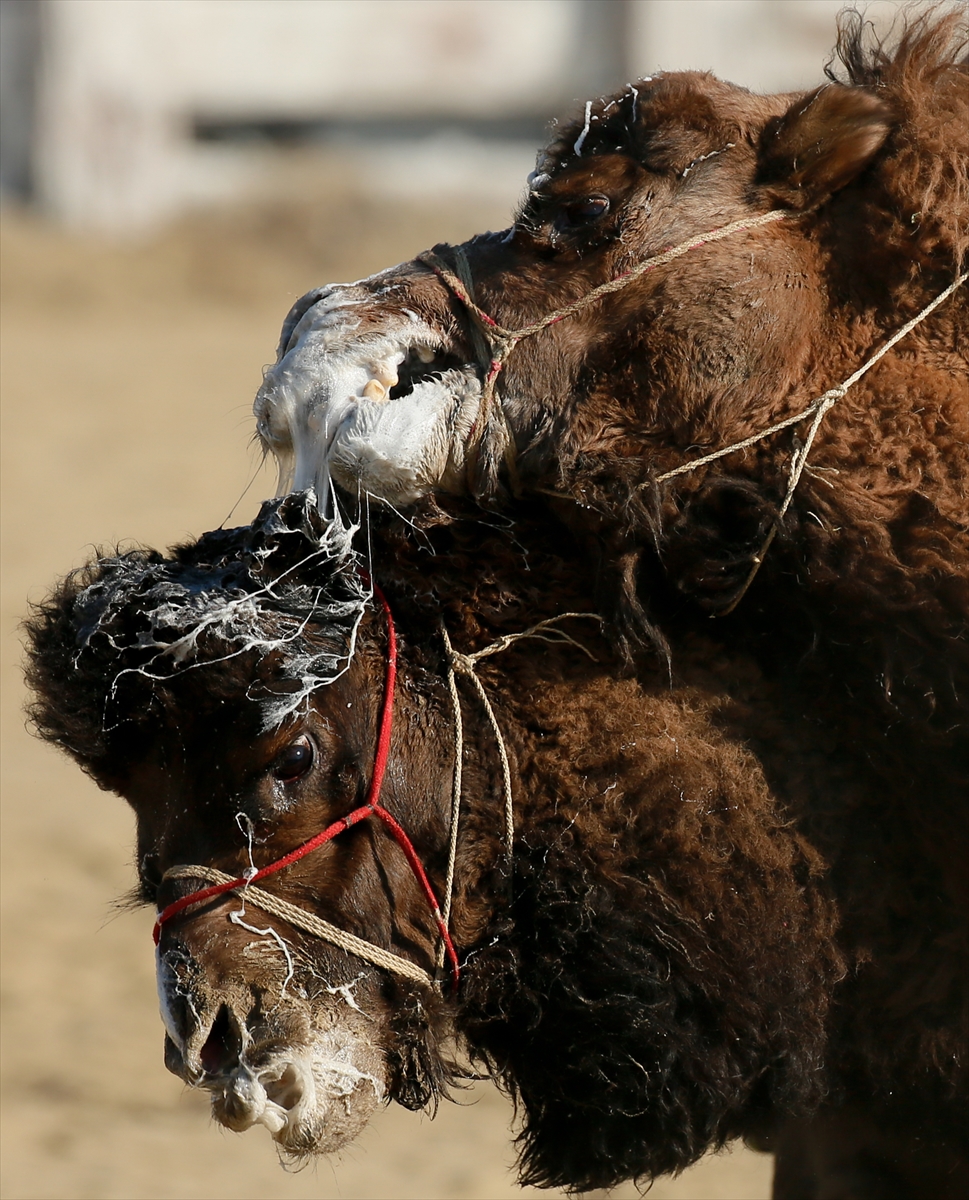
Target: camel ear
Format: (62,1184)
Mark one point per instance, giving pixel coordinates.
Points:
(821,143)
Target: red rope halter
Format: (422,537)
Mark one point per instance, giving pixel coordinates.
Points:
(372,808)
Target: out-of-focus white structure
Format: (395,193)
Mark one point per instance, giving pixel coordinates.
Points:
(139,108)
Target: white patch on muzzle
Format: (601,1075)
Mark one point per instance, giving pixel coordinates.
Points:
(312,1099)
(326,412)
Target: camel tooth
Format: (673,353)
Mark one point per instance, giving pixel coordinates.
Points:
(375,390)
(385,372)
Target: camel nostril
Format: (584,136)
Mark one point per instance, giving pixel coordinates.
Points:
(287,1090)
(222,1046)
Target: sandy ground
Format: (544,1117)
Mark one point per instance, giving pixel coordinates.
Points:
(127,378)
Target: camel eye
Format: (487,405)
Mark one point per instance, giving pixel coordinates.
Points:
(583,212)
(293,762)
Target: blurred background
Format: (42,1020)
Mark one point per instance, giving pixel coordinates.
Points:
(119,114)
(174,173)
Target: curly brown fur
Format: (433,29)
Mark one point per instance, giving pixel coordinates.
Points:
(653,976)
(725,341)
(640,939)
(832,701)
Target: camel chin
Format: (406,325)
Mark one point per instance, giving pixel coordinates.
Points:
(313,1098)
(380,409)
(313,1081)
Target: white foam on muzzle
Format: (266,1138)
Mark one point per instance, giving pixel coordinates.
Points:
(325,412)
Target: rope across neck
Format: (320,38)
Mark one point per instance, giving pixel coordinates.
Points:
(466,665)
(499,341)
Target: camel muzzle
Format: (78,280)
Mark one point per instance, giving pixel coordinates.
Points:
(298,1056)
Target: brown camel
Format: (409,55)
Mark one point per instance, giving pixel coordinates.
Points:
(861,188)
(656,968)
(659,971)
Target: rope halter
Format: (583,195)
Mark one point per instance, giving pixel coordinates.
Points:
(465,664)
(493,343)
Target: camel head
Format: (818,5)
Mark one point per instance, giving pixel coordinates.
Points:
(218,691)
(648,969)
(382,386)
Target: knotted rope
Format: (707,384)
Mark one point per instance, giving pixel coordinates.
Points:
(817,409)
(493,342)
(223,883)
(250,894)
(499,341)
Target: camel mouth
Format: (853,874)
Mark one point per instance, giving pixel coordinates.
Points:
(374,402)
(313,1099)
(314,1095)
(424,364)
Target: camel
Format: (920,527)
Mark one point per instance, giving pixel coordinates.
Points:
(650,934)
(698,421)
(724,344)
(776,563)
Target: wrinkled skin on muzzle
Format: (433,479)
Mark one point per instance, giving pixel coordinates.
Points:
(280,1034)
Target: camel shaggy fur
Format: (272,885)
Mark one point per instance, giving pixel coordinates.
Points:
(377,384)
(749,918)
(857,607)
(669,961)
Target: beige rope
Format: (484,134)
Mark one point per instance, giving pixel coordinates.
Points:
(310,924)
(499,334)
(465,664)
(456,781)
(819,408)
(483,353)
(823,403)
(501,341)
(694,463)
(463,268)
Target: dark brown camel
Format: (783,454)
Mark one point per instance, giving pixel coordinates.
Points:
(658,970)
(833,697)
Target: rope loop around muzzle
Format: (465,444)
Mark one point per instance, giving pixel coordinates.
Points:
(308,922)
(493,342)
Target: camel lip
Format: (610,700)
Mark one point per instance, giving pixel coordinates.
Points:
(313,1096)
(375,399)
(413,444)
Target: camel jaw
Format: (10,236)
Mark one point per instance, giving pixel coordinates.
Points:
(370,399)
(308,1068)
